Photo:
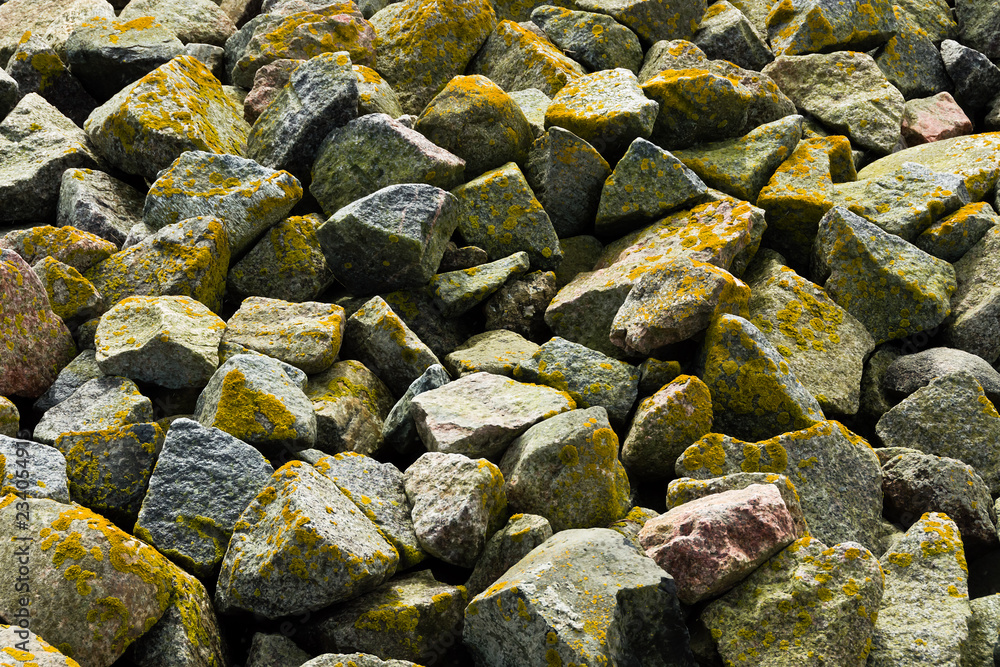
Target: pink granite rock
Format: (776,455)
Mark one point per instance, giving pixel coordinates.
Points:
(34,342)
(710,544)
(933,119)
(267,83)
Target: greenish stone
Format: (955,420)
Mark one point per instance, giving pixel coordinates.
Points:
(506,548)
(845,91)
(476,120)
(664,425)
(418,309)
(742,167)
(651,21)
(499,213)
(890,286)
(807,605)
(10,419)
(596,41)
(910,60)
(905,202)
(647,183)
(567,175)
(198,21)
(566,469)
(755,394)
(458,292)
(533,103)
(726,32)
(950,417)
(351,162)
(655,374)
(588,376)
(824,345)
(375,95)
(71,296)
(954,235)
(836,473)
(101,403)
(972,325)
(686,489)
(580,253)
(925,569)
(935,17)
(984,629)
(378,491)
(498,351)
(812,26)
(351,404)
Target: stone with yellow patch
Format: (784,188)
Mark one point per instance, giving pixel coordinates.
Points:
(95,202)
(925,569)
(102,403)
(496,351)
(23,648)
(811,26)
(506,548)
(458,292)
(955,234)
(33,469)
(299,546)
(37,68)
(597,41)
(351,404)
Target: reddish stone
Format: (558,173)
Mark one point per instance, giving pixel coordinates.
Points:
(710,544)
(933,119)
(34,342)
(267,83)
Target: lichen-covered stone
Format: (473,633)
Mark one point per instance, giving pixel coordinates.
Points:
(255,399)
(72,297)
(666,424)
(299,546)
(916,483)
(37,144)
(519,305)
(890,286)
(574,574)
(106,55)
(10,418)
(515,57)
(906,202)
(36,68)
(824,345)
(78,249)
(287,263)
(588,376)
(422,44)
(810,26)
(836,473)
(108,469)
(33,469)
(506,548)
(94,588)
(481,414)
(198,21)
(203,481)
(178,107)
(303,35)
(566,469)
(170,341)
(458,292)
(950,417)
(651,20)
(727,33)
(351,404)
(597,41)
(377,337)
(533,103)
(808,605)
(82,368)
(606,109)
(647,183)
(496,351)
(268,82)
(975,302)
(188,258)
(741,167)
(375,95)
(499,213)
(458,503)
(954,235)
(102,403)
(247,197)
(473,118)
(350,163)
(984,628)
(409,223)
(923,618)
(26,648)
(306,335)
(846,91)
(98,203)
(755,394)
(910,60)
(321,95)
(38,16)
(567,175)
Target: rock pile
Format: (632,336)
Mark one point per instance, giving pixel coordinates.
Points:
(498,332)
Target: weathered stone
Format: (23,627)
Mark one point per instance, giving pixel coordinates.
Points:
(976,301)
(954,235)
(974,75)
(597,41)
(808,605)
(910,60)
(332,554)
(651,21)
(37,144)
(10,418)
(533,103)
(36,68)
(458,292)
(72,297)
(199,21)
(727,33)
(493,351)
(351,164)
(275,651)
(247,197)
(506,548)
(836,474)
(31,649)
(810,26)
(102,403)
(72,376)
(399,429)
(34,470)
(481,414)
(410,223)
(95,202)
(175,108)
(519,306)
(907,373)
(203,481)
(351,404)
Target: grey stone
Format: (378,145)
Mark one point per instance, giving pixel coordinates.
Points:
(910,372)
(976,301)
(984,630)
(267,650)
(506,548)
(852,25)
(351,404)
(458,292)
(519,305)
(596,41)
(200,21)
(975,76)
(726,33)
(98,203)
(102,403)
(204,479)
(72,376)
(648,629)
(399,429)
(36,68)
(34,470)
(495,351)
(911,61)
